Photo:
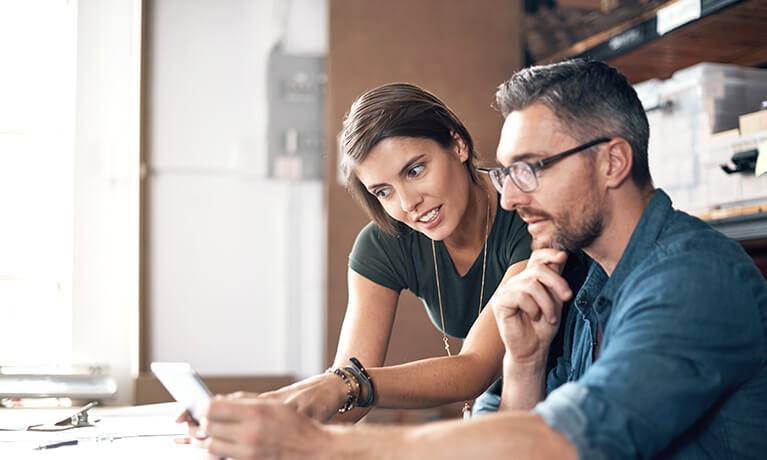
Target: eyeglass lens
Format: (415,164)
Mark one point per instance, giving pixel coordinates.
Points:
(498,176)
(524,176)
(521,174)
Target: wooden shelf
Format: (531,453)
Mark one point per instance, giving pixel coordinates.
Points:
(728,31)
(745,227)
(744,223)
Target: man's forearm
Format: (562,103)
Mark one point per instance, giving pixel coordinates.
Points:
(523,385)
(519,435)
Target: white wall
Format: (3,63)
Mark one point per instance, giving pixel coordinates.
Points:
(235,260)
(106,189)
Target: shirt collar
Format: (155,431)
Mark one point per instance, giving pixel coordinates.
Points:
(642,241)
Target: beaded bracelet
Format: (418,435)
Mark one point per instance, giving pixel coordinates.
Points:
(358,370)
(350,395)
(357,387)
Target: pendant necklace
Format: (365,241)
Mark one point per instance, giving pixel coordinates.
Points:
(466,406)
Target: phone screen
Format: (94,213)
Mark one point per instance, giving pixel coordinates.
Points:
(183,383)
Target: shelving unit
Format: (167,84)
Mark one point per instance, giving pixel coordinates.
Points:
(727,31)
(744,228)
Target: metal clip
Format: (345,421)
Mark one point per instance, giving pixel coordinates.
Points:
(77,420)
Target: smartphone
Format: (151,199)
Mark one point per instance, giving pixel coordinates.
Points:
(183,383)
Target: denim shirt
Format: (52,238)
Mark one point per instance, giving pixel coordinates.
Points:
(682,365)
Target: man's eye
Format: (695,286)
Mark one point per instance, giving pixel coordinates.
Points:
(415,170)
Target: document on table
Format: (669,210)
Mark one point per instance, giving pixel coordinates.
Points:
(138,429)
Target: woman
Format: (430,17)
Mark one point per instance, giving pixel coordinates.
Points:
(409,161)
(438,231)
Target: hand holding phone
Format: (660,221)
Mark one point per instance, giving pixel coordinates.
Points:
(183,383)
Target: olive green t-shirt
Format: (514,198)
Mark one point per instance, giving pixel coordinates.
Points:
(406,262)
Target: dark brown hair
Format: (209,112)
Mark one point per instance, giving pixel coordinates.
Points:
(395,110)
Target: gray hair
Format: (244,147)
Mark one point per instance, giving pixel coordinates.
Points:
(590,98)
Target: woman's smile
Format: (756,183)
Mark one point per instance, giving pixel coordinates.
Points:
(431,219)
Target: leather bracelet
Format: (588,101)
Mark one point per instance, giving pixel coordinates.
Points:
(362,375)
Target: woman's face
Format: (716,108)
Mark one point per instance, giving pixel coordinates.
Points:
(419,183)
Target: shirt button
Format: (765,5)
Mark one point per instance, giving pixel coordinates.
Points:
(582,302)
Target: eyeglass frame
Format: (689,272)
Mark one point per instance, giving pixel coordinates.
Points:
(537,165)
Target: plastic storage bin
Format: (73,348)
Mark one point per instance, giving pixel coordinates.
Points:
(689,107)
(719,190)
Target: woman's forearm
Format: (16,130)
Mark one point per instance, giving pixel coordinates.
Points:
(435,381)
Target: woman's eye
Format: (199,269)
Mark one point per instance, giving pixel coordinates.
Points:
(415,170)
(382,193)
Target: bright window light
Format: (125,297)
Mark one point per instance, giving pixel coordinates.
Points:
(37,109)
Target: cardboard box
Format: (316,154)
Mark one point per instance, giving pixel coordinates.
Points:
(753,122)
(722,135)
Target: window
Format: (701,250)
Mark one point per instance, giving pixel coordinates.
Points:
(69,182)
(37,88)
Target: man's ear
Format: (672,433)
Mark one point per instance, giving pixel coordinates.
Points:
(460,147)
(618,164)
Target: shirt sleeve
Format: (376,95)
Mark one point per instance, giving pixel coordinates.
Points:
(378,257)
(685,332)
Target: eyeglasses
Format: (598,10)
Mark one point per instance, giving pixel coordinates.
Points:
(523,174)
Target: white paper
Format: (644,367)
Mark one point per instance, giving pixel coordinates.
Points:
(677,14)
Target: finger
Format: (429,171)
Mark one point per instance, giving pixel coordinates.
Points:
(553,281)
(185,417)
(541,303)
(504,303)
(556,265)
(224,408)
(197,433)
(222,448)
(242,395)
(530,307)
(228,418)
(227,431)
(548,256)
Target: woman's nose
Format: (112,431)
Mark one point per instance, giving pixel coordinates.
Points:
(409,200)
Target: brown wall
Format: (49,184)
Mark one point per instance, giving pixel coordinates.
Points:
(458,49)
(149,390)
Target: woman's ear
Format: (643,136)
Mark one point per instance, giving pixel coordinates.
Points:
(460,147)
(619,161)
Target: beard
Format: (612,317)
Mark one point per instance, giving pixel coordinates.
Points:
(582,235)
(573,230)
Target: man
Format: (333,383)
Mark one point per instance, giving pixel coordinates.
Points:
(667,354)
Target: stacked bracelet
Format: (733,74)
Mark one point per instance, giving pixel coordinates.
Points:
(355,376)
(350,396)
(359,372)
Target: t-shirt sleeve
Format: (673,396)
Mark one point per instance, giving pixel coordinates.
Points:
(377,256)
(519,242)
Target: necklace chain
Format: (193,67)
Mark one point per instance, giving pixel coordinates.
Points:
(466,407)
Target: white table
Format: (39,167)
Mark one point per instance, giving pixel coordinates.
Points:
(136,433)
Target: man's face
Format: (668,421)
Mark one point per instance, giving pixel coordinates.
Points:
(565,210)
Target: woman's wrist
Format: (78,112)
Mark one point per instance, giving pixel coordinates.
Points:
(337,387)
(360,391)
(366,395)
